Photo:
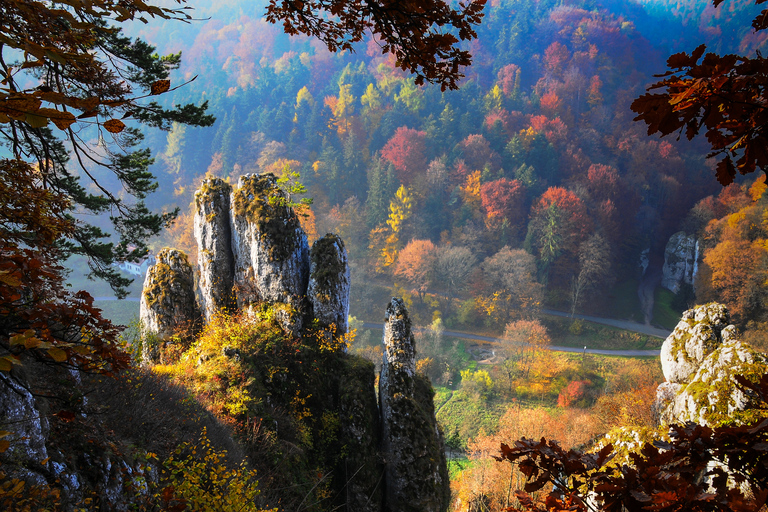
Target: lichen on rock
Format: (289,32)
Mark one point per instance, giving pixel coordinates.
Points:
(700,360)
(167,307)
(416,475)
(271,253)
(329,283)
(695,337)
(214,240)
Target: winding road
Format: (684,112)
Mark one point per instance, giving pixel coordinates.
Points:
(618,323)
(621,324)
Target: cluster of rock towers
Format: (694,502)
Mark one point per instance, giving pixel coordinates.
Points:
(251,251)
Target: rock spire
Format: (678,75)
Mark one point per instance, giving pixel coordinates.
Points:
(416,475)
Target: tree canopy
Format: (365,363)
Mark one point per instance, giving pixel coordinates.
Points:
(723,96)
(423,35)
(72,70)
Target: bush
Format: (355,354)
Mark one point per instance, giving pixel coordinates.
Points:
(197,477)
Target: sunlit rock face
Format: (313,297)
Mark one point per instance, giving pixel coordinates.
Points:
(680,258)
(329,283)
(271,253)
(700,361)
(416,475)
(167,306)
(214,246)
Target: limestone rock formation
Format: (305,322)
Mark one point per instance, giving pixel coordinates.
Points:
(680,261)
(695,337)
(28,426)
(329,282)
(416,475)
(271,253)
(168,305)
(214,246)
(360,428)
(700,360)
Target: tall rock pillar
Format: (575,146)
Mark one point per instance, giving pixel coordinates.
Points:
(416,473)
(271,252)
(214,246)
(167,307)
(329,282)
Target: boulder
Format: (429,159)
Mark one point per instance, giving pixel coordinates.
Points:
(329,283)
(700,360)
(271,253)
(416,474)
(680,261)
(214,246)
(695,337)
(168,306)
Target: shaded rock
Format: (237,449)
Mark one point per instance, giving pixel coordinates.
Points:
(329,283)
(695,337)
(361,431)
(416,475)
(271,253)
(20,415)
(680,258)
(167,306)
(214,246)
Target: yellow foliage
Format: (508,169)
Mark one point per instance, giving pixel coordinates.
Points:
(197,477)
(757,189)
(399,211)
(471,191)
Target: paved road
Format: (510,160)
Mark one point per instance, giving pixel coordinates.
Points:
(478,337)
(621,324)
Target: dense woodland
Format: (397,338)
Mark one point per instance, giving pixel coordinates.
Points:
(529,188)
(533,168)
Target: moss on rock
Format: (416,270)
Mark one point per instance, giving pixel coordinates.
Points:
(260,200)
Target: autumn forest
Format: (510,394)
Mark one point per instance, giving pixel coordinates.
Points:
(529,208)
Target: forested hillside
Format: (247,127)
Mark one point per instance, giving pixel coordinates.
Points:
(536,152)
(526,239)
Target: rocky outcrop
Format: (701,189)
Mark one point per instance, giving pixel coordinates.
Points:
(168,305)
(680,261)
(214,246)
(700,360)
(361,430)
(416,476)
(329,283)
(271,253)
(29,431)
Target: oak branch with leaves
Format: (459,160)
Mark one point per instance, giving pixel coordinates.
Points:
(725,97)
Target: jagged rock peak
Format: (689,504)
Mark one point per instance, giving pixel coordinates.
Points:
(416,474)
(270,248)
(329,282)
(167,305)
(700,360)
(680,261)
(214,246)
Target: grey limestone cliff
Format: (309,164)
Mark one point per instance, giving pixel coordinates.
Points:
(680,261)
(416,475)
(329,283)
(167,307)
(214,246)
